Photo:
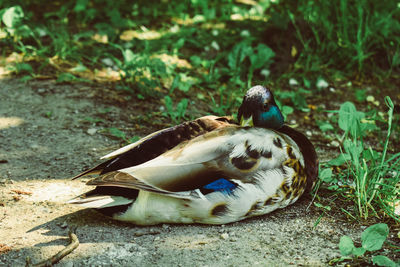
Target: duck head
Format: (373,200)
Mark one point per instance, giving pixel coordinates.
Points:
(259,109)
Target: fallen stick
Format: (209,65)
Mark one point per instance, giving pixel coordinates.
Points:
(74,243)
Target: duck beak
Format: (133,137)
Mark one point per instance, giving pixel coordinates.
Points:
(246,122)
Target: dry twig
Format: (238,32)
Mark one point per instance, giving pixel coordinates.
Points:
(74,243)
(19,192)
(4,248)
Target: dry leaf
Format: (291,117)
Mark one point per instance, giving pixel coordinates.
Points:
(19,192)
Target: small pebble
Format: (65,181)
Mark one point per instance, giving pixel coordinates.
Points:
(91,131)
(139,233)
(293,82)
(215,45)
(35,146)
(322,84)
(245,33)
(265,72)
(107,61)
(370,98)
(174,29)
(224,236)
(335,143)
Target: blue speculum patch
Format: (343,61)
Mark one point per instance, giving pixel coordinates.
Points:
(273,118)
(221,185)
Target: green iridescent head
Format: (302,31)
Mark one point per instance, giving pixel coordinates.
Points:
(259,109)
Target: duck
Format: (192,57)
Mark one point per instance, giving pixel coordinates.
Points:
(211,170)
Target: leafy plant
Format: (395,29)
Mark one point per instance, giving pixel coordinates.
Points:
(258,57)
(371,177)
(141,70)
(12,18)
(175,113)
(297,97)
(372,240)
(117,133)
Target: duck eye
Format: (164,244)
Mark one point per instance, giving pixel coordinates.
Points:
(266,106)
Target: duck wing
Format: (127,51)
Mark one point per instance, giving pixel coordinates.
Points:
(157,143)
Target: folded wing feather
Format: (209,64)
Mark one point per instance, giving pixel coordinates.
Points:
(195,163)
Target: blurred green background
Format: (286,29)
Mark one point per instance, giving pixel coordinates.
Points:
(211,49)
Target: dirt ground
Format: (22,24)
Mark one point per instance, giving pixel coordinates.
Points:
(46,138)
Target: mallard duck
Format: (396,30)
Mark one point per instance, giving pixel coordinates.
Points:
(210,170)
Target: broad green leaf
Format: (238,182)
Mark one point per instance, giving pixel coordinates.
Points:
(12,16)
(185,82)
(381,260)
(168,103)
(26,78)
(368,126)
(262,57)
(326,175)
(325,126)
(184,87)
(81,5)
(346,115)
(346,245)
(306,83)
(358,251)
(79,68)
(238,54)
(286,110)
(195,60)
(24,67)
(352,148)
(117,133)
(319,205)
(370,154)
(66,77)
(134,139)
(340,160)
(349,119)
(373,237)
(181,107)
(360,95)
(233,57)
(128,56)
(300,102)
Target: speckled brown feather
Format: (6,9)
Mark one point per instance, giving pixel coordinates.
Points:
(309,154)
